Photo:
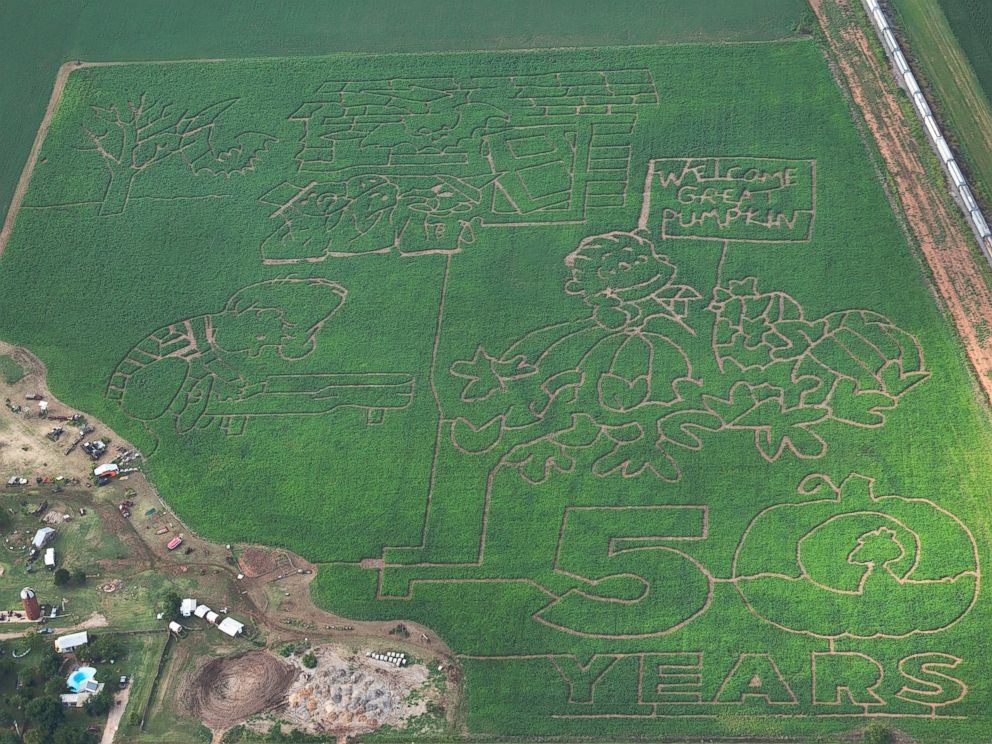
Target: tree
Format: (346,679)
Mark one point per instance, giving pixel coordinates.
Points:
(876,733)
(100,704)
(102,648)
(25,678)
(34,736)
(309,660)
(66,734)
(49,662)
(78,576)
(61,577)
(45,713)
(169,604)
(133,135)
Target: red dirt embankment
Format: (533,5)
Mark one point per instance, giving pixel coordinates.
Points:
(945,244)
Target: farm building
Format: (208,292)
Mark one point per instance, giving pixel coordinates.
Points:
(212,617)
(201,610)
(71,641)
(175,627)
(187,607)
(29,600)
(42,537)
(50,559)
(231,626)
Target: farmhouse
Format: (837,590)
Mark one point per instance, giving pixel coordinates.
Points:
(187,607)
(75,699)
(73,640)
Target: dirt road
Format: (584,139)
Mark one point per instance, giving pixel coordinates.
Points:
(115,715)
(947,248)
(95,620)
(22,184)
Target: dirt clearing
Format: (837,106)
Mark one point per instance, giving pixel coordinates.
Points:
(24,449)
(227,690)
(256,561)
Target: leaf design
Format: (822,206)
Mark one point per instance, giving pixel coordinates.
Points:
(476,439)
(513,368)
(777,428)
(860,407)
(582,433)
(482,380)
(618,394)
(683,428)
(632,456)
(535,461)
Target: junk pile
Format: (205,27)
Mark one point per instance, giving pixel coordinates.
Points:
(352,696)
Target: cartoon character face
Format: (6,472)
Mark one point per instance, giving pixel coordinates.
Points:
(282,314)
(616,271)
(251,330)
(370,196)
(443,196)
(617,264)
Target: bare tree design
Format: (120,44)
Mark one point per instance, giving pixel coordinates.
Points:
(138,133)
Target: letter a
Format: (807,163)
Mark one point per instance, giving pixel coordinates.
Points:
(754,675)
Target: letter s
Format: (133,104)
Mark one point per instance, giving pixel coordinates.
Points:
(927,686)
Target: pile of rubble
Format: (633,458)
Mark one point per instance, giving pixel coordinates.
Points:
(352,695)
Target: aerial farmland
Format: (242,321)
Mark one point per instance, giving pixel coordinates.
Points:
(566,375)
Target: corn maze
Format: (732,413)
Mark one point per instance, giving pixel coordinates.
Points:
(647,416)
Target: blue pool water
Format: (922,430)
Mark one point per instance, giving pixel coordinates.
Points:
(78,677)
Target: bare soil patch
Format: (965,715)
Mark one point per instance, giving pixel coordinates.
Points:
(24,449)
(255,561)
(227,690)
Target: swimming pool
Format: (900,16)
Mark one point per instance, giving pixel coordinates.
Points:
(78,677)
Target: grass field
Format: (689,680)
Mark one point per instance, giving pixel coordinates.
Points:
(652,419)
(949,41)
(10,369)
(971,21)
